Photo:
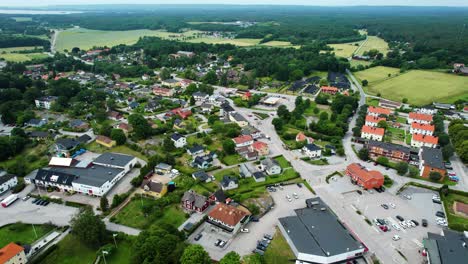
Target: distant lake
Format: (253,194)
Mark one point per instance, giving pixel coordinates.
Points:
(36,12)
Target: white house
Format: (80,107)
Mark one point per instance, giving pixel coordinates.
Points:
(229,183)
(426,110)
(45,102)
(7,182)
(270,166)
(419,140)
(424,129)
(312,151)
(179,140)
(373,133)
(243,141)
(419,118)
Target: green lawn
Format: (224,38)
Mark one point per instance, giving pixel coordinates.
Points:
(232,159)
(401,120)
(283,162)
(355,63)
(279,251)
(418,86)
(22,233)
(372,102)
(395,134)
(231,171)
(32,158)
(9,54)
(455,221)
(71,251)
(95,147)
(122,254)
(345,50)
(374,42)
(319,162)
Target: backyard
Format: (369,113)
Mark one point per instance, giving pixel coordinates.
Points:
(95,147)
(22,233)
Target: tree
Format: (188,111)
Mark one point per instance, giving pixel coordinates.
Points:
(141,128)
(277,123)
(75,50)
(444,190)
(402,168)
(105,130)
(382,124)
(405,100)
(89,228)
(323,116)
(323,82)
(363,154)
(119,136)
(229,146)
(210,78)
(104,203)
(447,151)
(192,100)
(195,254)
(413,171)
(230,258)
(382,160)
(435,176)
(365,83)
(165,74)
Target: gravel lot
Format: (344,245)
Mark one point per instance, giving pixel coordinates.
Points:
(244,243)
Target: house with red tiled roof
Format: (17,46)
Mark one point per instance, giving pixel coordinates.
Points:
(378,111)
(373,121)
(419,118)
(243,141)
(114,115)
(329,90)
(182,113)
(372,133)
(260,147)
(227,217)
(185,82)
(368,179)
(163,91)
(420,140)
(300,137)
(125,127)
(424,129)
(12,254)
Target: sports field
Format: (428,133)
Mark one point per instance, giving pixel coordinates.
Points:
(418,86)
(86,39)
(9,55)
(374,42)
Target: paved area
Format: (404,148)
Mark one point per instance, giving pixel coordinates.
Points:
(421,201)
(244,243)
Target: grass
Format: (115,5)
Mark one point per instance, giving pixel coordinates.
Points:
(418,86)
(122,254)
(374,42)
(319,162)
(132,215)
(32,158)
(22,233)
(401,120)
(9,54)
(395,134)
(22,19)
(355,63)
(345,50)
(232,159)
(455,221)
(71,251)
(279,251)
(372,101)
(283,162)
(95,147)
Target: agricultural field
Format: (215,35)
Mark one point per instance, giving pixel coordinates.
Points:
(374,42)
(9,54)
(345,50)
(418,86)
(355,63)
(22,19)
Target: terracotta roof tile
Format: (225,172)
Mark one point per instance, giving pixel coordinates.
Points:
(419,116)
(425,139)
(227,214)
(373,130)
(9,251)
(379,110)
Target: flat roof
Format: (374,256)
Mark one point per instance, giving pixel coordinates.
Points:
(447,249)
(95,175)
(114,159)
(317,231)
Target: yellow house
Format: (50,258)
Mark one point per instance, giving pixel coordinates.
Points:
(105,141)
(12,254)
(155,189)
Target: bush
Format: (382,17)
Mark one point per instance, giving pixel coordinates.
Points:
(383,161)
(19,187)
(435,176)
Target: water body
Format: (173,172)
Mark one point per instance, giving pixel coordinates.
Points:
(36,12)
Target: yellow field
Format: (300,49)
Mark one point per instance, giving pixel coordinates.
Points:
(6,54)
(345,50)
(374,42)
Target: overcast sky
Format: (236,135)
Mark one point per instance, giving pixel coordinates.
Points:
(275,2)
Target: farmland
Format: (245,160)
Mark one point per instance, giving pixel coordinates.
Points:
(374,42)
(86,39)
(418,86)
(345,50)
(10,54)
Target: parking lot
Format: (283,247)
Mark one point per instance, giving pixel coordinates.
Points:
(369,204)
(244,243)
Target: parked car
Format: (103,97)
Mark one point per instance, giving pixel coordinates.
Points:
(254,219)
(197,237)
(244,230)
(299,185)
(222,244)
(396,237)
(258,251)
(359,191)
(396,227)
(267,236)
(415,222)
(261,247)
(35,201)
(384,206)
(46,203)
(424,222)
(437,201)
(295,196)
(217,242)
(26,198)
(400,218)
(452,173)
(440,214)
(392,205)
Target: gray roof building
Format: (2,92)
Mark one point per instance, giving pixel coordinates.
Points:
(113,159)
(6,178)
(450,248)
(312,147)
(315,234)
(201,175)
(432,157)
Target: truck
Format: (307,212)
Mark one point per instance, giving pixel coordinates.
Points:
(9,200)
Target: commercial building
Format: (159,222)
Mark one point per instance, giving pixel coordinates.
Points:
(88,177)
(431,160)
(450,247)
(392,151)
(228,218)
(12,254)
(316,235)
(363,177)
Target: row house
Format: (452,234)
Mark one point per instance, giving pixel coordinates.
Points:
(423,129)
(378,111)
(419,118)
(373,121)
(431,160)
(391,151)
(372,133)
(420,140)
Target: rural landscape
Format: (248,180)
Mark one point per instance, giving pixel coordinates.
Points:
(248,133)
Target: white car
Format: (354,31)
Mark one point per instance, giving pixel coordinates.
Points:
(397,227)
(396,237)
(392,205)
(407,196)
(295,196)
(403,224)
(244,230)
(410,223)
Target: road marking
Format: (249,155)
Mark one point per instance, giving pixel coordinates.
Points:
(376,230)
(417,242)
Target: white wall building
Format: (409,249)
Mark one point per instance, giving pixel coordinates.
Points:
(7,182)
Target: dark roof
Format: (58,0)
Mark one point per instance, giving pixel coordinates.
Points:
(176,136)
(6,178)
(389,146)
(84,138)
(446,249)
(227,179)
(76,123)
(312,147)
(432,157)
(227,107)
(114,159)
(201,175)
(67,143)
(196,149)
(191,196)
(318,231)
(201,94)
(38,134)
(63,178)
(258,175)
(155,186)
(220,196)
(34,121)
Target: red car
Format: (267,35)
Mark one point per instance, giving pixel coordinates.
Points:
(383,228)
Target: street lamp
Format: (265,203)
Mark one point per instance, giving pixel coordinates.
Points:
(115,242)
(104,253)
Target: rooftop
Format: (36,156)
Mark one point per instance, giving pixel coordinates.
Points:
(316,230)
(114,159)
(9,251)
(425,138)
(420,126)
(419,116)
(373,130)
(389,146)
(242,139)
(446,249)
(379,110)
(361,171)
(227,214)
(432,157)
(6,178)
(374,119)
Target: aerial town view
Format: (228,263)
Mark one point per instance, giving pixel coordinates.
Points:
(233,132)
